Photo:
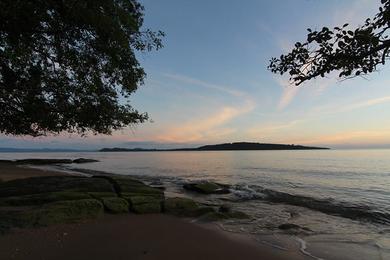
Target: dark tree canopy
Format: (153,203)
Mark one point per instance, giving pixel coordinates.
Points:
(350,52)
(68,65)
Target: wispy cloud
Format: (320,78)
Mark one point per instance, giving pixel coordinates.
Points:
(208,127)
(288,94)
(351,137)
(270,129)
(337,109)
(192,81)
(367,103)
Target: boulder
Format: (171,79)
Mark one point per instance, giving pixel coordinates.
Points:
(115,205)
(207,188)
(84,160)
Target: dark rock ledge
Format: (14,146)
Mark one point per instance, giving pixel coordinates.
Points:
(34,161)
(41,201)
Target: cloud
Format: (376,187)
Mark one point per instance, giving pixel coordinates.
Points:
(367,103)
(205,128)
(351,137)
(198,82)
(288,94)
(270,129)
(337,109)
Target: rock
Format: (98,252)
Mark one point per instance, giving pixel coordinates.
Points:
(100,195)
(145,204)
(185,207)
(224,208)
(180,206)
(36,185)
(287,226)
(6,161)
(207,188)
(52,213)
(43,161)
(115,205)
(43,198)
(212,216)
(84,160)
(70,211)
(236,214)
(128,187)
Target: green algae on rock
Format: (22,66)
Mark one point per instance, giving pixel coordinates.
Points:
(36,185)
(185,207)
(207,187)
(115,205)
(43,198)
(52,213)
(143,204)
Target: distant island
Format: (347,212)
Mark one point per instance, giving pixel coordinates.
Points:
(239,146)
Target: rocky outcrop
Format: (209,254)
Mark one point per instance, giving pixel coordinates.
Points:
(84,160)
(39,161)
(46,184)
(207,187)
(43,161)
(41,201)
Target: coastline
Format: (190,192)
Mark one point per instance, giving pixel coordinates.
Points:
(151,236)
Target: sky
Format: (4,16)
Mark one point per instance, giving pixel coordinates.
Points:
(210,83)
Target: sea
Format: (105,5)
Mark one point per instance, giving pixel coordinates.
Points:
(339,200)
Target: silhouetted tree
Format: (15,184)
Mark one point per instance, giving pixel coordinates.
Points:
(69,65)
(351,52)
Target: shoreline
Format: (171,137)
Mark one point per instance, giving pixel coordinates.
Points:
(163,236)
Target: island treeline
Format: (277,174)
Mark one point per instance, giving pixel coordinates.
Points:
(239,146)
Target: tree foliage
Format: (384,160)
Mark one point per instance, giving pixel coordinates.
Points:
(68,65)
(351,52)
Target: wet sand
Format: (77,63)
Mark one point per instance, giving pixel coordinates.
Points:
(10,171)
(128,236)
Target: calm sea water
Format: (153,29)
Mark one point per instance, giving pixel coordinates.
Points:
(340,198)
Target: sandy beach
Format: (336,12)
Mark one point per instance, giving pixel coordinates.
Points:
(128,236)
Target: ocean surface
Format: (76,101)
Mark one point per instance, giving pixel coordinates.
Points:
(339,198)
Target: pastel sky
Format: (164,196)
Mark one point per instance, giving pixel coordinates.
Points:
(210,84)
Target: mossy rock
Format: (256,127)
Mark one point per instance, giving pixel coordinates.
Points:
(101,195)
(185,207)
(53,184)
(115,205)
(43,198)
(52,213)
(142,204)
(207,188)
(70,211)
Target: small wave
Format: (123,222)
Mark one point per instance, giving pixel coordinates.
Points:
(328,206)
(303,248)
